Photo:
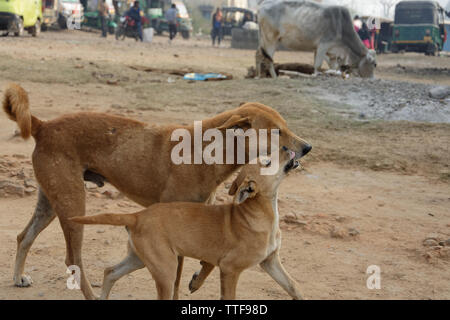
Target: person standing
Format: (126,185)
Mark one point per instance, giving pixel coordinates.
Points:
(171,17)
(216,31)
(357,23)
(135,14)
(103,12)
(364,34)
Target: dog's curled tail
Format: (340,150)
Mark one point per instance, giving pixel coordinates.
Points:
(16,106)
(128,220)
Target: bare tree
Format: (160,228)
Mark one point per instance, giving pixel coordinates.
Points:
(387,6)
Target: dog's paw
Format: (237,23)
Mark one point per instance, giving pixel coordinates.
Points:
(23,281)
(193,285)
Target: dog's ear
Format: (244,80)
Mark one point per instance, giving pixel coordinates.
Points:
(236,122)
(246,191)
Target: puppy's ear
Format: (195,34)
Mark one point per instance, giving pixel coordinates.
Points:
(235,122)
(246,191)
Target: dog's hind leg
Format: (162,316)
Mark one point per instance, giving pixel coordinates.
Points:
(129,264)
(62,182)
(43,215)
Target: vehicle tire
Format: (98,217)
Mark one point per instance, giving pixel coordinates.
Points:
(432,50)
(185,34)
(5,34)
(20,28)
(36,29)
(44,27)
(435,50)
(394,49)
(111,30)
(119,32)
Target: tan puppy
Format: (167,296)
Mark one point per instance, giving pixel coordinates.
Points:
(131,155)
(233,237)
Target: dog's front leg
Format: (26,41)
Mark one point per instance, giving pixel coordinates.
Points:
(228,284)
(272,265)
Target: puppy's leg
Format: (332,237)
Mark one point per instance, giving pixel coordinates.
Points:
(43,215)
(228,284)
(163,267)
(129,264)
(200,276)
(272,265)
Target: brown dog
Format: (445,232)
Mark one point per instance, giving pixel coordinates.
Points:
(232,237)
(132,156)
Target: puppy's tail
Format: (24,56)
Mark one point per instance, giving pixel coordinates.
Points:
(128,220)
(16,106)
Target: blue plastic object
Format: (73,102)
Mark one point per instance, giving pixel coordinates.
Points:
(203,76)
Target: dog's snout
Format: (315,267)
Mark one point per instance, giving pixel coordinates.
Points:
(306,149)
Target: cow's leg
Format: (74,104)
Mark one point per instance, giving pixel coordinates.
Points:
(272,265)
(259,60)
(268,42)
(321,53)
(43,215)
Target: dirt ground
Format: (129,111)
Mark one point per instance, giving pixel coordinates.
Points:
(372,190)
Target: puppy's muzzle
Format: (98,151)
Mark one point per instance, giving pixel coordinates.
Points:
(304,151)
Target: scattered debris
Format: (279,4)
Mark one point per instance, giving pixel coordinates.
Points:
(10,188)
(180,72)
(206,76)
(430,242)
(338,233)
(291,218)
(353,232)
(439,92)
(302,68)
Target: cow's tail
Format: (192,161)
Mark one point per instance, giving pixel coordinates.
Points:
(128,220)
(17,107)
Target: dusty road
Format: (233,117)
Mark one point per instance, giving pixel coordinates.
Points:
(373,189)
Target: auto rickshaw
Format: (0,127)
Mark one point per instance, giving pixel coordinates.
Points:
(154,11)
(91,16)
(59,11)
(233,17)
(418,27)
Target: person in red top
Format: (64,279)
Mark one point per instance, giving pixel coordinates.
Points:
(216,26)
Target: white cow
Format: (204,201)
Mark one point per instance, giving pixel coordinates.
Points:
(310,26)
